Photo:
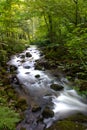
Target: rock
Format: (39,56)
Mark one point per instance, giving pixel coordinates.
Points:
(22,56)
(22,61)
(36,108)
(13,68)
(14,79)
(27,67)
(56,87)
(38,67)
(47,113)
(37,76)
(42,63)
(28,54)
(41,54)
(27,73)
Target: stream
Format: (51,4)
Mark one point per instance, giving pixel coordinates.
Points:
(35,86)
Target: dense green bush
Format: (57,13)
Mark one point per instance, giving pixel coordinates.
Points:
(77,44)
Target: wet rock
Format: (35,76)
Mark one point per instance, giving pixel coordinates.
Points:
(37,76)
(13,68)
(22,61)
(47,113)
(27,73)
(36,108)
(56,87)
(42,63)
(28,54)
(41,54)
(14,79)
(22,56)
(27,67)
(38,67)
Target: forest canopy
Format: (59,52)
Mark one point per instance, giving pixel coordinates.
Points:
(48,22)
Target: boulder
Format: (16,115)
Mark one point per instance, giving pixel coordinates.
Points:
(47,113)
(38,67)
(37,76)
(36,108)
(22,56)
(13,68)
(28,54)
(27,67)
(22,61)
(56,87)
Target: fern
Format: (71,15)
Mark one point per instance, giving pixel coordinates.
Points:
(8,118)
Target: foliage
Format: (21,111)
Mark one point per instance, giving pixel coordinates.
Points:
(77,44)
(8,118)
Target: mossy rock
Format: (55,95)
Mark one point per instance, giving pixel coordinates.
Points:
(38,67)
(37,76)
(43,63)
(67,125)
(78,117)
(56,87)
(36,108)
(47,113)
(13,68)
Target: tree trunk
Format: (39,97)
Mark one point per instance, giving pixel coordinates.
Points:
(50,32)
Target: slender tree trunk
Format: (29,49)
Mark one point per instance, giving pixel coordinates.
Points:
(51,34)
(76,11)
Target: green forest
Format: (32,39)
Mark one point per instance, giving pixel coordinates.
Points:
(59,28)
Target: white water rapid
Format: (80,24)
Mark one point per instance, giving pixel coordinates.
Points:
(65,102)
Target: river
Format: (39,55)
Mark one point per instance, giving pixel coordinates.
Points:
(36,86)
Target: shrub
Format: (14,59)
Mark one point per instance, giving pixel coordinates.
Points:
(8,118)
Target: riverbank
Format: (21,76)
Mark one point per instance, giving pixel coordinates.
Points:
(19,104)
(59,61)
(11,104)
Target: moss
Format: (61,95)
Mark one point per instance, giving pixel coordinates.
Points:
(47,113)
(21,103)
(67,125)
(23,128)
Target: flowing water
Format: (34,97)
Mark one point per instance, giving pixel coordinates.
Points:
(63,103)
